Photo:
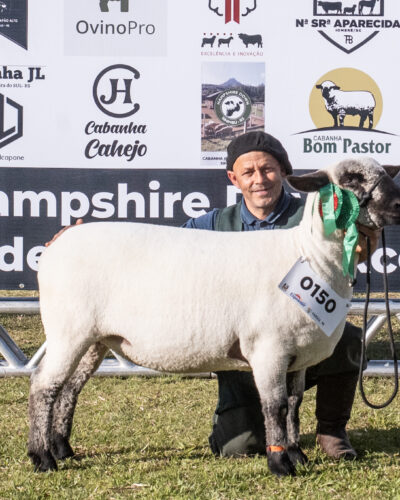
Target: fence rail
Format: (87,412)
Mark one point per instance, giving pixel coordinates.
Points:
(16,364)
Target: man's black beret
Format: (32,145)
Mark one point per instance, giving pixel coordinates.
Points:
(258,141)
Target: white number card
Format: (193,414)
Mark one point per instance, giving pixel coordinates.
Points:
(314,296)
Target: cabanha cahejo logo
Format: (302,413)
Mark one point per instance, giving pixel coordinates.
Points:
(232,10)
(343,103)
(348,24)
(233,107)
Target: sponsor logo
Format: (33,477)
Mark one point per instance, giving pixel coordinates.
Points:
(11,121)
(108,27)
(20,76)
(14,21)
(232,45)
(348,24)
(233,106)
(113,95)
(343,103)
(235,40)
(112,91)
(297,298)
(232,10)
(123,5)
(228,106)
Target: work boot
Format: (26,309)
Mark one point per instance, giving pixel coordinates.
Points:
(335,396)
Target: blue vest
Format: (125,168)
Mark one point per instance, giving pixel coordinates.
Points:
(228,219)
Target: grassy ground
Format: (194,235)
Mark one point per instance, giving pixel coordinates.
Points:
(147,438)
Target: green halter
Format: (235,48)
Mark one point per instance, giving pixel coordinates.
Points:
(343,217)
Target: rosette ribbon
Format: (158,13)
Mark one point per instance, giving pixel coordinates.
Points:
(340,209)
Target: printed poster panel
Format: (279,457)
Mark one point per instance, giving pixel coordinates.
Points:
(232,103)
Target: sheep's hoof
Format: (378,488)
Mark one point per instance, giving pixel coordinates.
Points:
(42,461)
(61,448)
(280,464)
(296,455)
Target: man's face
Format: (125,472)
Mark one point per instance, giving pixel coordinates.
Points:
(259,176)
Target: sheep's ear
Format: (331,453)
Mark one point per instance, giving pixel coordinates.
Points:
(391,170)
(309,182)
(318,86)
(336,87)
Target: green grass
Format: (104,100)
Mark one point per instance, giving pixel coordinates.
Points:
(147,438)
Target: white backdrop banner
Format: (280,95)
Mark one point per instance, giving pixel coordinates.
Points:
(135,86)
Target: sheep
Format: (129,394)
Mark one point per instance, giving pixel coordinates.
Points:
(251,39)
(350,10)
(366,3)
(181,300)
(328,6)
(224,41)
(209,41)
(232,107)
(341,103)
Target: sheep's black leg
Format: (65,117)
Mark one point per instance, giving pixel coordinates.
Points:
(362,120)
(64,407)
(335,122)
(46,382)
(270,379)
(370,120)
(295,388)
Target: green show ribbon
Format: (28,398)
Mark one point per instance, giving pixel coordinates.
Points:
(344,217)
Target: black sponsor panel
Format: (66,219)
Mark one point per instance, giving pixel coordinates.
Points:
(35,203)
(14,21)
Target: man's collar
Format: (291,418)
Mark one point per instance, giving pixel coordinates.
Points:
(248,218)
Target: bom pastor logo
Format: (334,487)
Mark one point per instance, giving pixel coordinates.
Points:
(348,24)
(343,103)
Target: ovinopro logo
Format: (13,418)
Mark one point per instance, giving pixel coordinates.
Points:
(108,27)
(348,24)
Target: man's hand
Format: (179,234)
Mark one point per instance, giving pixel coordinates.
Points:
(79,221)
(373,235)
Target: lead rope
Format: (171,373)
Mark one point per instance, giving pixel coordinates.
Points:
(389,321)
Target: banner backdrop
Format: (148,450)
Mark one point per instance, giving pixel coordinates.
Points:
(122,109)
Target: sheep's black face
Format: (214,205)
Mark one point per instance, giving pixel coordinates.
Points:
(383,205)
(360,176)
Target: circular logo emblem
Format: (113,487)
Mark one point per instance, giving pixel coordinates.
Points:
(233,106)
(112,91)
(362,100)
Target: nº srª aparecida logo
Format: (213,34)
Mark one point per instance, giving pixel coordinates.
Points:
(348,24)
